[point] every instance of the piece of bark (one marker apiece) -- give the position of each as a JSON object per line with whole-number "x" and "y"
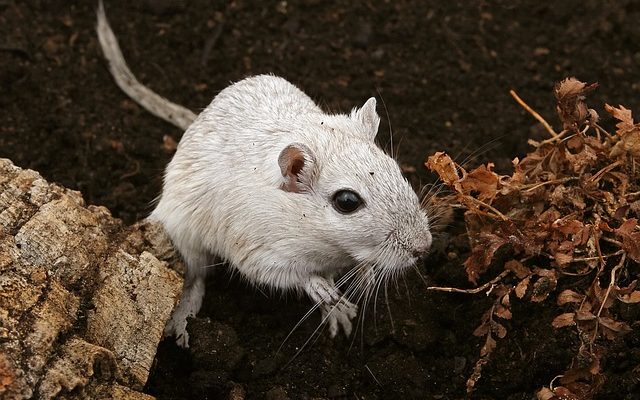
{"x": 83, "y": 299}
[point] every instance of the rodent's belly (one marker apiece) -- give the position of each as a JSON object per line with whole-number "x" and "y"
{"x": 272, "y": 255}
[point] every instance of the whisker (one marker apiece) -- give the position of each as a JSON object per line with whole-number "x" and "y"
{"x": 364, "y": 283}
{"x": 361, "y": 290}
{"x": 213, "y": 265}
{"x": 386, "y": 300}
{"x": 374, "y": 377}
{"x": 398, "y": 149}
{"x": 433, "y": 190}
{"x": 417, "y": 270}
{"x": 300, "y": 321}
{"x": 304, "y": 345}
{"x": 384, "y": 105}
{"x": 406, "y": 287}
{"x": 349, "y": 274}
{"x": 314, "y": 307}
{"x": 490, "y": 145}
{"x": 383, "y": 278}
{"x": 428, "y": 189}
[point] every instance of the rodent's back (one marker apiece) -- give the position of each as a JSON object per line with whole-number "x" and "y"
{"x": 245, "y": 127}
{"x": 226, "y": 163}
{"x": 256, "y": 102}
{"x": 246, "y": 122}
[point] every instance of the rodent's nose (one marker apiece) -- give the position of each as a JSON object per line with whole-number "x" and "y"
{"x": 422, "y": 249}
{"x": 420, "y": 253}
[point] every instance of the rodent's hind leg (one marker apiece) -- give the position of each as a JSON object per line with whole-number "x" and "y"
{"x": 337, "y": 311}
{"x": 190, "y": 301}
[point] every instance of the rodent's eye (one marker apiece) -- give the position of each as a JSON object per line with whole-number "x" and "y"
{"x": 346, "y": 201}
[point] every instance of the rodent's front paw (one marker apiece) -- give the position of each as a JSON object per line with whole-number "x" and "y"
{"x": 339, "y": 314}
{"x": 177, "y": 326}
{"x": 189, "y": 305}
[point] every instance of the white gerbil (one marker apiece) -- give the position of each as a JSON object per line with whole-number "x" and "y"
{"x": 286, "y": 194}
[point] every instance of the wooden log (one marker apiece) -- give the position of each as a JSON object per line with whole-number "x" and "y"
{"x": 83, "y": 299}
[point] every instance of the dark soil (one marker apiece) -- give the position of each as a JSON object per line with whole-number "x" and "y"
{"x": 443, "y": 70}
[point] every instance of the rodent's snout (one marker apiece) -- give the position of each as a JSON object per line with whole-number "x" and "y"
{"x": 422, "y": 248}
{"x": 420, "y": 253}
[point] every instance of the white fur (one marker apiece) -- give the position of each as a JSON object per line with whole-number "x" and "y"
{"x": 228, "y": 192}
{"x": 222, "y": 196}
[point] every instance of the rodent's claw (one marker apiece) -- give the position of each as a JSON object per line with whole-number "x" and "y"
{"x": 182, "y": 340}
{"x": 336, "y": 310}
{"x": 339, "y": 314}
{"x": 177, "y": 326}
{"x": 189, "y": 305}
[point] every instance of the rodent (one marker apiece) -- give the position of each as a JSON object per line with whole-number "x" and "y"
{"x": 288, "y": 195}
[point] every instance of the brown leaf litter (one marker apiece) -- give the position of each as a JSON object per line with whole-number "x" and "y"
{"x": 569, "y": 210}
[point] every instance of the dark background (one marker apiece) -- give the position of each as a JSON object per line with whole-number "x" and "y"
{"x": 443, "y": 70}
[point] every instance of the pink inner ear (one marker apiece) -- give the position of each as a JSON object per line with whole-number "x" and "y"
{"x": 296, "y": 165}
{"x": 291, "y": 164}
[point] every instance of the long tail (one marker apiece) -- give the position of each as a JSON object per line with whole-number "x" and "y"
{"x": 151, "y": 101}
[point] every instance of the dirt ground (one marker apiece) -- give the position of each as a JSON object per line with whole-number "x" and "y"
{"x": 443, "y": 70}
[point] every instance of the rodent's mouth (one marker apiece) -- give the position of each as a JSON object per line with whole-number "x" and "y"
{"x": 412, "y": 262}
{"x": 398, "y": 255}
{"x": 402, "y": 264}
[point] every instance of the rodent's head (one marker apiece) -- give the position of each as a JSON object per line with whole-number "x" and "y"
{"x": 363, "y": 205}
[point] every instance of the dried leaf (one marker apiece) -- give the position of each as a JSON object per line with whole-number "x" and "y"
{"x": 482, "y": 330}
{"x": 542, "y": 288}
{"x": 476, "y": 374}
{"x": 444, "y": 166}
{"x": 517, "y": 268}
{"x": 627, "y": 132}
{"x": 630, "y": 143}
{"x": 562, "y": 258}
{"x": 627, "y": 227}
{"x": 500, "y": 290}
{"x": 502, "y": 312}
{"x": 569, "y": 296}
{"x": 599, "y": 293}
{"x": 506, "y": 300}
{"x": 623, "y": 115}
{"x": 635, "y": 208}
{"x": 563, "y": 320}
{"x": 563, "y": 196}
{"x": 629, "y": 231}
{"x": 631, "y": 244}
{"x": 583, "y": 315}
{"x": 613, "y": 328}
{"x": 577, "y": 371}
{"x": 499, "y": 329}
{"x": 482, "y": 181}
{"x": 482, "y": 254}
{"x": 594, "y": 368}
{"x": 488, "y": 347}
{"x": 548, "y": 273}
{"x": 581, "y": 158}
{"x": 568, "y": 226}
{"x": 627, "y": 289}
{"x": 631, "y": 298}
{"x": 563, "y": 393}
{"x": 521, "y": 287}
{"x": 545, "y": 394}
{"x": 571, "y": 108}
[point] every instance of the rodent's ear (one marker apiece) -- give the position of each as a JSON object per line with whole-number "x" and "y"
{"x": 368, "y": 116}
{"x": 297, "y": 165}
